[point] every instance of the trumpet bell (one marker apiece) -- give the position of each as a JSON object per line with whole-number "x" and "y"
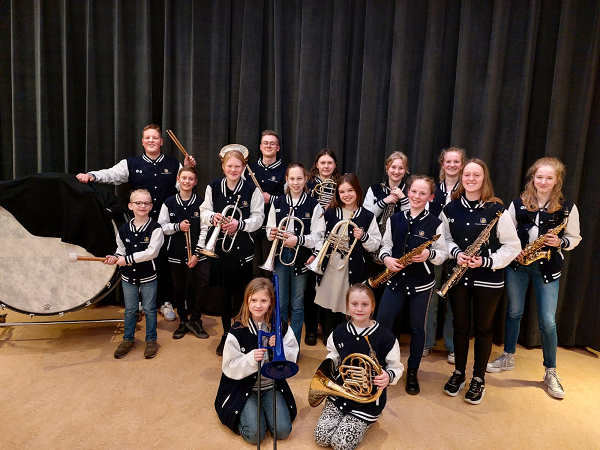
{"x": 315, "y": 266}
{"x": 268, "y": 266}
{"x": 279, "y": 370}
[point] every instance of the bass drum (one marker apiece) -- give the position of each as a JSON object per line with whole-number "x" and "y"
{"x": 44, "y": 218}
{"x": 36, "y": 276}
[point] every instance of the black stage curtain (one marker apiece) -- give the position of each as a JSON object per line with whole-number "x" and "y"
{"x": 509, "y": 81}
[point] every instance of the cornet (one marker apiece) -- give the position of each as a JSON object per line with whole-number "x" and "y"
{"x": 339, "y": 241}
{"x": 209, "y": 250}
{"x": 281, "y": 237}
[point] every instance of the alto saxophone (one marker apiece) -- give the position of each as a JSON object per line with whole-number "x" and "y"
{"x": 404, "y": 260}
{"x": 532, "y": 253}
{"x": 472, "y": 250}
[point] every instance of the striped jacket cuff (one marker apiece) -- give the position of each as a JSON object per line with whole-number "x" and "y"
{"x": 301, "y": 239}
{"x": 456, "y": 251}
{"x": 381, "y": 204}
{"x": 364, "y": 237}
{"x": 564, "y": 243}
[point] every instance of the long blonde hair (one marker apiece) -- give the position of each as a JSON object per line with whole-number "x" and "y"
{"x": 256, "y": 285}
{"x": 530, "y": 200}
{"x": 460, "y": 151}
{"x": 487, "y": 188}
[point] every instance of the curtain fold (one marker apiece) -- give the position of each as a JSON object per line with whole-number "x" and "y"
{"x": 509, "y": 81}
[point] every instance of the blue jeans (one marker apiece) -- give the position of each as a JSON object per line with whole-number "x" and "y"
{"x": 131, "y": 296}
{"x": 248, "y": 417}
{"x": 391, "y": 304}
{"x": 431, "y": 327}
{"x": 291, "y": 291}
{"x": 547, "y": 299}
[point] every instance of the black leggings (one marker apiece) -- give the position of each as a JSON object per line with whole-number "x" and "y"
{"x": 485, "y": 302}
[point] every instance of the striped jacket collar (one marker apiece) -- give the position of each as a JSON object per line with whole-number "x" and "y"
{"x": 277, "y": 163}
{"x": 238, "y": 186}
{"x": 152, "y": 161}
{"x": 180, "y": 201}
{"x": 466, "y": 204}
{"x": 366, "y": 332}
{"x": 442, "y": 187}
{"x": 387, "y": 189}
{"x": 421, "y": 215}
{"x": 140, "y": 229}
{"x": 301, "y": 201}
{"x": 340, "y": 215}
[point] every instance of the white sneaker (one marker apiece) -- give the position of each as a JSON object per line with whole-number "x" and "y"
{"x": 167, "y": 311}
{"x": 451, "y": 359}
{"x": 506, "y": 361}
{"x": 426, "y": 352}
{"x": 552, "y": 380}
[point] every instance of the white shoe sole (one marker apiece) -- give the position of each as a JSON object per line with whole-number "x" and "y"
{"x": 498, "y": 369}
{"x": 476, "y": 402}
{"x": 455, "y": 394}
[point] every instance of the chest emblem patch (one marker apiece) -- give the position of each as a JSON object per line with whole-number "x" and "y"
{"x": 307, "y": 215}
{"x": 146, "y": 239}
{"x": 482, "y": 220}
{"x": 421, "y": 233}
{"x": 244, "y": 204}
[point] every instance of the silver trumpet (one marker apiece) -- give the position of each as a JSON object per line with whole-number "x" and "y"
{"x": 339, "y": 241}
{"x": 281, "y": 237}
{"x": 209, "y": 250}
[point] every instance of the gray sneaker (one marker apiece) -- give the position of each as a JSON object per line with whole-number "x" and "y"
{"x": 552, "y": 380}
{"x": 167, "y": 312}
{"x": 123, "y": 348}
{"x": 426, "y": 352}
{"x": 506, "y": 361}
{"x": 451, "y": 358}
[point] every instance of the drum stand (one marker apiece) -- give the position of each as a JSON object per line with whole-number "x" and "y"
{"x": 53, "y": 322}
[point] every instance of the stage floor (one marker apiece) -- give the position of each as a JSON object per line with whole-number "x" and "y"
{"x": 62, "y": 388}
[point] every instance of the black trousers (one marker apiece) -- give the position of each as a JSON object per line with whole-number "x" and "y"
{"x": 484, "y": 303}
{"x": 183, "y": 277}
{"x": 311, "y": 309}
{"x": 262, "y": 247}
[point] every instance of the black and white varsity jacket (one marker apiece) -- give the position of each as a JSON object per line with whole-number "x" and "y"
{"x": 370, "y": 240}
{"x": 240, "y": 372}
{"x": 531, "y": 225}
{"x": 140, "y": 246}
{"x": 377, "y": 192}
{"x": 271, "y": 178}
{"x": 464, "y": 221}
{"x": 346, "y": 339}
{"x": 158, "y": 176}
{"x": 402, "y": 234}
{"x": 173, "y": 212}
{"x": 251, "y": 202}
{"x": 309, "y": 211}
{"x": 440, "y": 199}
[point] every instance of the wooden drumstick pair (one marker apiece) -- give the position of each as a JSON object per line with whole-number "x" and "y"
{"x": 74, "y": 257}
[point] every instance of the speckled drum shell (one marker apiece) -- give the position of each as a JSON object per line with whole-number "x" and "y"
{"x": 37, "y": 278}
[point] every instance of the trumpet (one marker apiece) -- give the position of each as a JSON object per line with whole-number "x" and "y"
{"x": 324, "y": 192}
{"x": 269, "y": 264}
{"x": 209, "y": 250}
{"x": 339, "y": 241}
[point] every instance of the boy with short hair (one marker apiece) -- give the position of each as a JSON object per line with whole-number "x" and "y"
{"x": 138, "y": 244}
{"x": 180, "y": 214}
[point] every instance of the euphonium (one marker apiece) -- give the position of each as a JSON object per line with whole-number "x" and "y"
{"x": 281, "y": 237}
{"x": 339, "y": 241}
{"x": 405, "y": 260}
{"x": 472, "y": 250}
{"x": 532, "y": 253}
{"x": 324, "y": 192}
{"x": 355, "y": 380}
{"x": 278, "y": 368}
{"x": 209, "y": 250}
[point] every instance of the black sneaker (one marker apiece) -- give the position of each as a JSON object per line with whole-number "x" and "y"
{"x": 310, "y": 338}
{"x": 476, "y": 391}
{"x": 195, "y": 326}
{"x": 180, "y": 331}
{"x": 123, "y": 348}
{"x": 455, "y": 384}
{"x": 412, "y": 382}
{"x": 221, "y": 346}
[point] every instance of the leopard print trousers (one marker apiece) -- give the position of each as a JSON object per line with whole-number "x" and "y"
{"x": 341, "y": 431}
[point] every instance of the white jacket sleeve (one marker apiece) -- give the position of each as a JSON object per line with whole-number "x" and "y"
{"x": 117, "y": 174}
{"x": 236, "y": 364}
{"x": 393, "y": 365}
{"x": 164, "y": 221}
{"x": 510, "y": 248}
{"x": 156, "y": 242}
{"x": 317, "y": 229}
{"x": 438, "y": 252}
{"x": 571, "y": 237}
{"x": 371, "y": 239}
{"x": 257, "y": 213}
{"x": 206, "y": 208}
{"x": 290, "y": 346}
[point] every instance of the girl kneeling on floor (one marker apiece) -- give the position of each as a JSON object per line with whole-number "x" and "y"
{"x": 344, "y": 422}
{"x": 237, "y": 397}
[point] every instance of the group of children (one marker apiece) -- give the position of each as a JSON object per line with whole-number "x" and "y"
{"x": 396, "y": 217}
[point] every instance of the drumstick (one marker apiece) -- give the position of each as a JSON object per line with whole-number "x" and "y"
{"x": 74, "y": 257}
{"x": 177, "y": 143}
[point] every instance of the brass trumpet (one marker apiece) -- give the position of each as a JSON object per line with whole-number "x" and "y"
{"x": 209, "y": 250}
{"x": 340, "y": 244}
{"x": 324, "y": 192}
{"x": 281, "y": 237}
